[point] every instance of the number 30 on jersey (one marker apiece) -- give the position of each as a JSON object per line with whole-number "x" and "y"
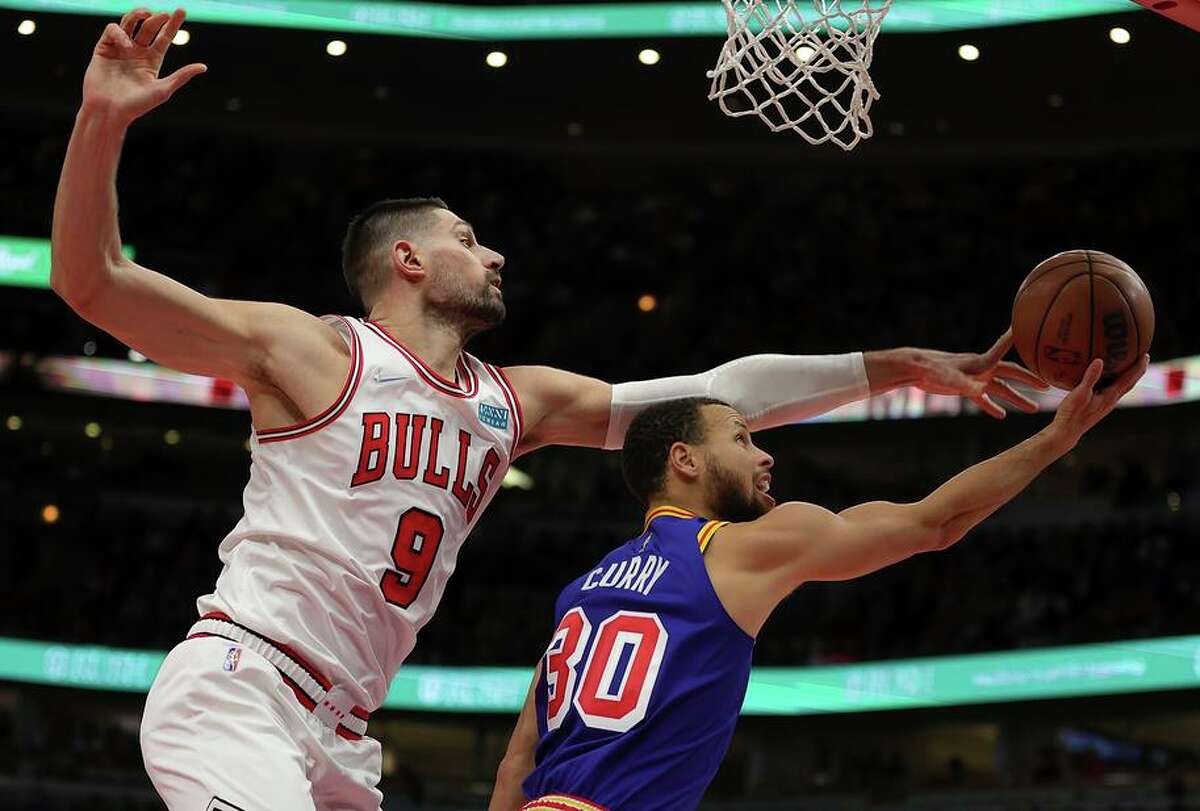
{"x": 606, "y": 697}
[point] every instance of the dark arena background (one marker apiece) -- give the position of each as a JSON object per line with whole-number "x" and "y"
{"x": 1050, "y": 661}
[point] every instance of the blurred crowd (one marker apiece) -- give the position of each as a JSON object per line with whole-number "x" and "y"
{"x": 123, "y": 564}
{"x": 802, "y": 256}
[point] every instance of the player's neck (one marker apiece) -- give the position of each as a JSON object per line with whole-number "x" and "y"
{"x": 695, "y": 503}
{"x": 435, "y": 342}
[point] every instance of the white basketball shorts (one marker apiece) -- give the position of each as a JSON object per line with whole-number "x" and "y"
{"x": 222, "y": 731}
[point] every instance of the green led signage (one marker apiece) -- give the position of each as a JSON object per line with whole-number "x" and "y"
{"x": 1084, "y": 670}
{"x": 576, "y": 21}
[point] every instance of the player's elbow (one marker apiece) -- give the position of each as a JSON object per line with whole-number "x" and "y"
{"x": 513, "y": 769}
{"x": 78, "y": 290}
{"x": 934, "y": 532}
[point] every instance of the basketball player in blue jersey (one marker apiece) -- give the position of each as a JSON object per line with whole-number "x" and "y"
{"x": 634, "y": 702}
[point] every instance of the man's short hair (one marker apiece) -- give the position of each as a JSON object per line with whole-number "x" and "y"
{"x": 372, "y": 232}
{"x": 650, "y": 437}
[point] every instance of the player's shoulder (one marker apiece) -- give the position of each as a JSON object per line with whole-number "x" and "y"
{"x": 773, "y": 537}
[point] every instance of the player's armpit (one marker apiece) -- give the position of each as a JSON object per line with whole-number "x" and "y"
{"x": 560, "y": 408}
{"x": 256, "y": 344}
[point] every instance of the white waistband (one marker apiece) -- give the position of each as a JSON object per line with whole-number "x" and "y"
{"x": 333, "y": 706}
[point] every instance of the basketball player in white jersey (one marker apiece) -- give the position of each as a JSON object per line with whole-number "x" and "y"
{"x": 377, "y": 445}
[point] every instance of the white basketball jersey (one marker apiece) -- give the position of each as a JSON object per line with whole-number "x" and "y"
{"x": 354, "y": 518}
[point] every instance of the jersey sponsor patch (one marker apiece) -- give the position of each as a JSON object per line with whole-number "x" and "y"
{"x": 495, "y": 416}
{"x": 217, "y": 804}
{"x": 232, "y": 657}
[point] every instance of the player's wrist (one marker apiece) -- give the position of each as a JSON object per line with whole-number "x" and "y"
{"x": 1058, "y": 439}
{"x": 889, "y": 369}
{"x": 102, "y": 115}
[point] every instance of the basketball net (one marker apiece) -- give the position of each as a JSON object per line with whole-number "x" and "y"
{"x": 802, "y": 70}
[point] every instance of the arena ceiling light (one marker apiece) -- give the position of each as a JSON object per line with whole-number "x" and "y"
{"x": 696, "y": 18}
{"x": 648, "y": 56}
{"x": 26, "y": 27}
{"x": 1120, "y": 36}
{"x": 182, "y": 37}
{"x": 496, "y": 59}
{"x": 335, "y": 47}
{"x": 968, "y": 52}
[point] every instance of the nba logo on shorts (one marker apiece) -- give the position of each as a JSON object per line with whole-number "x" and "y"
{"x": 232, "y": 657}
{"x": 494, "y": 416}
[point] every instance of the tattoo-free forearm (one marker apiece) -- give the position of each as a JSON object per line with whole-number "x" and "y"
{"x": 971, "y": 496}
{"x": 85, "y": 240}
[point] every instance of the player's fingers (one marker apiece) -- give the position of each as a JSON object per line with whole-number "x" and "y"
{"x": 1013, "y": 371}
{"x": 129, "y": 21}
{"x": 1125, "y": 383}
{"x": 999, "y": 349}
{"x": 115, "y": 35}
{"x": 989, "y": 406}
{"x": 1082, "y": 394}
{"x": 1005, "y": 392}
{"x": 168, "y": 32}
{"x": 150, "y": 29}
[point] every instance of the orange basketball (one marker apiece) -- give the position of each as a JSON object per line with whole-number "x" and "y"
{"x": 1080, "y": 305}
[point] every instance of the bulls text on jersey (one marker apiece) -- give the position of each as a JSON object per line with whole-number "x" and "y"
{"x": 417, "y": 440}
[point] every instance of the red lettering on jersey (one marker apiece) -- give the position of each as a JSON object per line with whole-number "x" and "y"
{"x": 442, "y": 477}
{"x": 372, "y": 459}
{"x": 491, "y": 461}
{"x": 405, "y": 466}
{"x": 463, "y": 494}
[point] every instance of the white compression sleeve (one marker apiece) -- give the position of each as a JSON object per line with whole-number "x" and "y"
{"x": 770, "y": 390}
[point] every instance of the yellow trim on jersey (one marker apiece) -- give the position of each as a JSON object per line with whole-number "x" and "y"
{"x": 659, "y": 512}
{"x": 707, "y": 532}
{"x": 559, "y": 800}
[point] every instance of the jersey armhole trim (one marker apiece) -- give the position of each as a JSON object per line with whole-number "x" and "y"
{"x": 704, "y": 538}
{"x": 514, "y": 403}
{"x": 707, "y": 532}
{"x": 309, "y": 426}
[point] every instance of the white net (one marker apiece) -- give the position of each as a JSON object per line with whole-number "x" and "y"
{"x": 801, "y": 65}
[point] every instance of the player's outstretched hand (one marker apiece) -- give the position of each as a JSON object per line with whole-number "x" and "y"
{"x": 979, "y": 377}
{"x": 122, "y": 79}
{"x": 1083, "y": 407}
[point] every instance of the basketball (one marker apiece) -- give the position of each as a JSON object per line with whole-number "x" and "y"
{"x": 1079, "y": 305}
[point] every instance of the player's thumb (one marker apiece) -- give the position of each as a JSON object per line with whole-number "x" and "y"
{"x": 116, "y": 35}
{"x": 182, "y": 76}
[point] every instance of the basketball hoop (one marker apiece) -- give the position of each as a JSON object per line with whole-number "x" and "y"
{"x": 802, "y": 70}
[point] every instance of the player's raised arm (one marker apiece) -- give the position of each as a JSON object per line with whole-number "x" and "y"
{"x": 163, "y": 319}
{"x": 518, "y": 758}
{"x": 756, "y": 564}
{"x": 770, "y": 390}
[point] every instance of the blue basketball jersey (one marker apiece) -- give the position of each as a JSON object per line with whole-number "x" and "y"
{"x": 644, "y": 677}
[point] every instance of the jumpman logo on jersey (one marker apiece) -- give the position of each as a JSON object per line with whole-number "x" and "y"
{"x": 645, "y": 541}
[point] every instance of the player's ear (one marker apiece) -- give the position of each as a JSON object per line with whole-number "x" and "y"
{"x": 408, "y": 261}
{"x": 683, "y": 459}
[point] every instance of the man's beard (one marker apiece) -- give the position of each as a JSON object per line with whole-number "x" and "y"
{"x": 472, "y": 312}
{"x": 729, "y": 497}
